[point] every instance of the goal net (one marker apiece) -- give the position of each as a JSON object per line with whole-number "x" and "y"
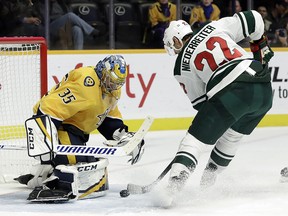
{"x": 23, "y": 80}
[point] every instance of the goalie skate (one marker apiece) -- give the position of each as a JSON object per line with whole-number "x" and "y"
{"x": 44, "y": 194}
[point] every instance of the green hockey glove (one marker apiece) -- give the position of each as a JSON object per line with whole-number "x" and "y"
{"x": 261, "y": 50}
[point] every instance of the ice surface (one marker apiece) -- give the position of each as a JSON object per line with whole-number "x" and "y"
{"x": 250, "y": 186}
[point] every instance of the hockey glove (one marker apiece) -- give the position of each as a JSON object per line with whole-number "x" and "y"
{"x": 122, "y": 136}
{"x": 261, "y": 50}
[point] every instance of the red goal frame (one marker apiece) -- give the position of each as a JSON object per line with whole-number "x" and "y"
{"x": 43, "y": 55}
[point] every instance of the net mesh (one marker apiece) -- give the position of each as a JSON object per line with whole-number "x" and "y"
{"x": 20, "y": 86}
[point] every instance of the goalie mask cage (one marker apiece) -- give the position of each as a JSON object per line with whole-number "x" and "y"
{"x": 23, "y": 80}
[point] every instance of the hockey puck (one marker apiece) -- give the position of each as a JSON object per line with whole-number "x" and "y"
{"x": 124, "y": 193}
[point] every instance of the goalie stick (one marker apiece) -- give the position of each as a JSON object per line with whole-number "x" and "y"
{"x": 12, "y": 147}
{"x": 106, "y": 151}
{"x": 139, "y": 189}
{"x": 97, "y": 151}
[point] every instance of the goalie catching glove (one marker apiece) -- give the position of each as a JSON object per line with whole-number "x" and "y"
{"x": 122, "y": 137}
{"x": 261, "y": 50}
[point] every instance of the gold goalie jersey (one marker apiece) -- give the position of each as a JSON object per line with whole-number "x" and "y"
{"x": 78, "y": 100}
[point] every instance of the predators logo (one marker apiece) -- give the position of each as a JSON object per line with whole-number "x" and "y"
{"x": 89, "y": 81}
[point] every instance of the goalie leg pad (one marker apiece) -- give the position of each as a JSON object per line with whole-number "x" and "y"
{"x": 92, "y": 179}
{"x": 68, "y": 182}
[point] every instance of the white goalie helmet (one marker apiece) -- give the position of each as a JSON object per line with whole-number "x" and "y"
{"x": 177, "y": 29}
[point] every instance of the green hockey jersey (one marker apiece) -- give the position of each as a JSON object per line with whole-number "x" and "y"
{"x": 212, "y": 59}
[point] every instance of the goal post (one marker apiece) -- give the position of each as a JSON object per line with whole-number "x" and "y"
{"x": 23, "y": 80}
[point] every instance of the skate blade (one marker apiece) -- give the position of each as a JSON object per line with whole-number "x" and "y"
{"x": 49, "y": 200}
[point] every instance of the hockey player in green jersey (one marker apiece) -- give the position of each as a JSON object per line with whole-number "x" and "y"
{"x": 229, "y": 87}
{"x": 85, "y": 100}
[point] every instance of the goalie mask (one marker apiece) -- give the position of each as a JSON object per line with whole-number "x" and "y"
{"x": 112, "y": 72}
{"x": 177, "y": 29}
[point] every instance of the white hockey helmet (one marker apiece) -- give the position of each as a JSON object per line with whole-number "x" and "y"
{"x": 178, "y": 29}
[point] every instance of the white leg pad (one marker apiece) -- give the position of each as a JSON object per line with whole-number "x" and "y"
{"x": 92, "y": 179}
{"x": 86, "y": 180}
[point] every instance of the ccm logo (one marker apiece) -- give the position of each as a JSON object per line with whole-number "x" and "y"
{"x": 87, "y": 168}
{"x": 30, "y": 138}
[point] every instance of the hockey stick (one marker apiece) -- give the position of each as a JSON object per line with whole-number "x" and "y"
{"x": 106, "y": 151}
{"x": 139, "y": 189}
{"x": 12, "y": 147}
{"x": 97, "y": 151}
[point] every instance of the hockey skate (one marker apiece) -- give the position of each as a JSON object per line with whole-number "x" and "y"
{"x": 284, "y": 175}
{"x": 59, "y": 187}
{"x": 176, "y": 183}
{"x": 209, "y": 176}
{"x": 45, "y": 194}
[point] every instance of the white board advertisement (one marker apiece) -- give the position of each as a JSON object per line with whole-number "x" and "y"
{"x": 151, "y": 89}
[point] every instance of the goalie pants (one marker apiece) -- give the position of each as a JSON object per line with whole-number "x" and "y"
{"x": 70, "y": 135}
{"x": 239, "y": 106}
